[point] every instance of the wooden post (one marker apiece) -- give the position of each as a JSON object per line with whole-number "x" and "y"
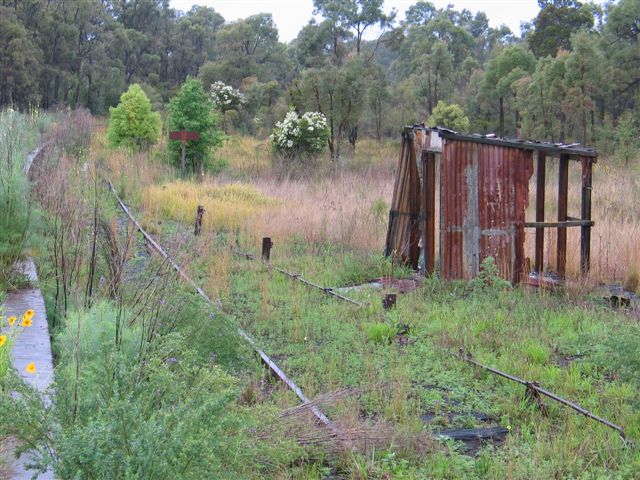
{"x": 389, "y": 301}
{"x": 414, "y": 207}
{"x": 563, "y": 198}
{"x": 183, "y": 158}
{"x": 429, "y": 228}
{"x": 540, "y": 194}
{"x": 585, "y": 231}
{"x": 183, "y": 136}
{"x": 199, "y": 215}
{"x": 266, "y": 248}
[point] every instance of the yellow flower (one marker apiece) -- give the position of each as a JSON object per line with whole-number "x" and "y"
{"x": 26, "y": 322}
{"x": 30, "y": 368}
{"x": 3, "y": 340}
{"x": 11, "y": 320}
{"x": 29, "y": 313}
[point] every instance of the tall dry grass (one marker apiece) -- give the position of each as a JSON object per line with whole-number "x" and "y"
{"x": 615, "y": 237}
{"x": 347, "y": 203}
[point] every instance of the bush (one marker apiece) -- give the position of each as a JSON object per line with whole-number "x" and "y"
{"x": 449, "y": 116}
{"x": 626, "y": 136}
{"x": 139, "y": 410}
{"x": 132, "y": 123}
{"x": 225, "y": 97}
{"x": 300, "y": 136}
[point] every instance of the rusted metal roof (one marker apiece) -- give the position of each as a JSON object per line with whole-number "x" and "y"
{"x": 553, "y": 149}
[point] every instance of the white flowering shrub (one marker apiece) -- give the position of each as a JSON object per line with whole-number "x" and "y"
{"x": 225, "y": 97}
{"x": 306, "y": 134}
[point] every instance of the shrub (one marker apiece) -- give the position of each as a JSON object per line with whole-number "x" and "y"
{"x": 489, "y": 278}
{"x": 225, "y": 97}
{"x": 300, "y": 136}
{"x": 139, "y": 410}
{"x": 132, "y": 122}
{"x": 449, "y": 116}
{"x": 626, "y": 136}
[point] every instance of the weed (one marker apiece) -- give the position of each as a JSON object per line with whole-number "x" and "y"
{"x": 380, "y": 333}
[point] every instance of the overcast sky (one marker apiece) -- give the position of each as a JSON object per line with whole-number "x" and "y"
{"x": 291, "y": 15}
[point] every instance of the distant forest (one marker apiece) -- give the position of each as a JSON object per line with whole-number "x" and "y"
{"x": 572, "y": 75}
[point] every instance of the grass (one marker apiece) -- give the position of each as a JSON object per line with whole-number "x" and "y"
{"x": 227, "y": 207}
{"x": 330, "y": 227}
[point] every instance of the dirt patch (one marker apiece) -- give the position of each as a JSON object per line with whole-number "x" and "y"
{"x": 564, "y": 361}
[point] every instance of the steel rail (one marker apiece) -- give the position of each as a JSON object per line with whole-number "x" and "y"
{"x": 271, "y": 365}
{"x": 295, "y": 276}
{"x": 543, "y": 391}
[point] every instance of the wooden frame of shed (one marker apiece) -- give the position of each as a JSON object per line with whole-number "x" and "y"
{"x": 483, "y": 183}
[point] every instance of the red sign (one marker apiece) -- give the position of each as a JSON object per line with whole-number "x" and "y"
{"x": 183, "y": 135}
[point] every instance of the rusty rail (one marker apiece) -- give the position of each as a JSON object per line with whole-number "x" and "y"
{"x": 295, "y": 276}
{"x": 270, "y": 364}
{"x": 533, "y": 386}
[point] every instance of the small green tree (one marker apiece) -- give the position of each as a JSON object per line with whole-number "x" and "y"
{"x": 192, "y": 110}
{"x": 133, "y": 123}
{"x": 449, "y": 116}
{"x": 627, "y": 138}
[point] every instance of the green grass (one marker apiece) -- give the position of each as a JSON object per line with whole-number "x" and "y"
{"x": 400, "y": 364}
{"x": 324, "y": 344}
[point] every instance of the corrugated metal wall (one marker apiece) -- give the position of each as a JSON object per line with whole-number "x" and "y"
{"x": 484, "y": 191}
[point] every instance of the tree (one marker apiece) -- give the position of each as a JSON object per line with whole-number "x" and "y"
{"x": 247, "y": 48}
{"x": 621, "y": 47}
{"x": 555, "y": 23}
{"x": 627, "y": 137}
{"x": 191, "y": 109}
{"x": 378, "y": 97}
{"x": 19, "y": 63}
{"x": 501, "y": 74}
{"x": 132, "y": 122}
{"x": 337, "y": 93}
{"x": 356, "y": 15}
{"x": 433, "y": 75}
{"x": 449, "y": 116}
{"x": 583, "y": 85}
{"x": 540, "y": 99}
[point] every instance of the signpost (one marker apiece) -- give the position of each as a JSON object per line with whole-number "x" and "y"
{"x": 183, "y": 136}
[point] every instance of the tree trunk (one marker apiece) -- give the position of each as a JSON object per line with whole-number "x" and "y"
{"x": 501, "y": 129}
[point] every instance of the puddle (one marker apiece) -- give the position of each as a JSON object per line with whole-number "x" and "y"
{"x": 476, "y": 438}
{"x": 401, "y": 285}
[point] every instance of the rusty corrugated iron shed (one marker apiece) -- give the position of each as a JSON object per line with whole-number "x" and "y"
{"x": 484, "y": 192}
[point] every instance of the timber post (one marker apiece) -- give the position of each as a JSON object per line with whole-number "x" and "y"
{"x": 266, "y": 249}
{"x": 199, "y": 214}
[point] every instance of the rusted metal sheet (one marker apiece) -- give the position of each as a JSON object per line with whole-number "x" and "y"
{"x": 484, "y": 191}
{"x": 403, "y": 235}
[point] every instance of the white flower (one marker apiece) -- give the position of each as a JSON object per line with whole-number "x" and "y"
{"x": 289, "y": 143}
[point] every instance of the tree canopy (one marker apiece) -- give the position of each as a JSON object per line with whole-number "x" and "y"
{"x": 571, "y": 74}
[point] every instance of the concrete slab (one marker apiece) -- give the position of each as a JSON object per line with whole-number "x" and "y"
{"x": 33, "y": 345}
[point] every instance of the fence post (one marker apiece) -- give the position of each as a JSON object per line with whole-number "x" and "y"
{"x": 389, "y": 301}
{"x": 266, "y": 248}
{"x": 199, "y": 215}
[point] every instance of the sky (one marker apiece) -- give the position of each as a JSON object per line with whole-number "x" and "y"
{"x": 291, "y": 15}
